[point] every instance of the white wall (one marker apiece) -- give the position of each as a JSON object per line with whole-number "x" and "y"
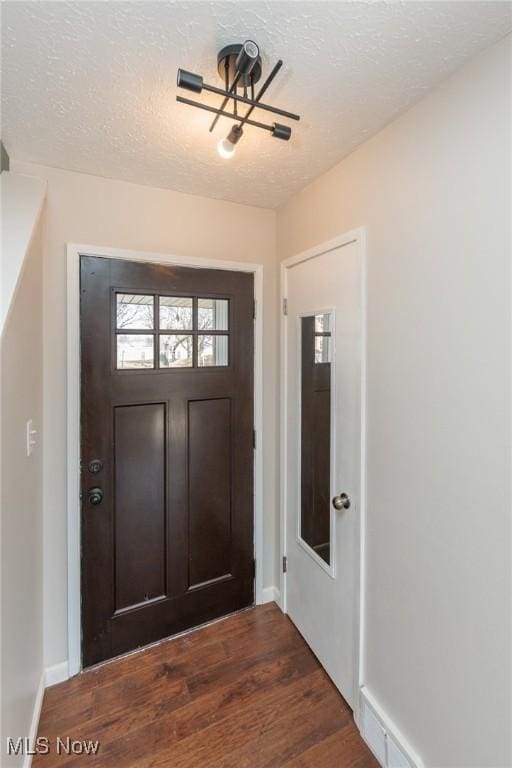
{"x": 22, "y": 199}
{"x": 97, "y": 211}
{"x": 433, "y": 189}
{"x": 21, "y": 504}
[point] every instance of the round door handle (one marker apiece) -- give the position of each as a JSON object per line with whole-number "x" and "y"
{"x": 95, "y": 496}
{"x": 341, "y": 501}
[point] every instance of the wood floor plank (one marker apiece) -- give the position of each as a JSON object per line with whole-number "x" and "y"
{"x": 273, "y": 721}
{"x": 244, "y": 692}
{"x": 151, "y": 738}
{"x": 341, "y": 748}
{"x": 115, "y": 695}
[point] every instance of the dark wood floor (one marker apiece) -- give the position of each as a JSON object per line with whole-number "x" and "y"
{"x": 245, "y": 692}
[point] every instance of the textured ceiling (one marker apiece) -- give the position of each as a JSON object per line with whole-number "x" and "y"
{"x": 90, "y": 86}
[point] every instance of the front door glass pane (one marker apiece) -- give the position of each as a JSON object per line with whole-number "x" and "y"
{"x": 175, "y": 313}
{"x": 176, "y": 350}
{"x": 212, "y": 314}
{"x": 134, "y": 311}
{"x": 212, "y": 350}
{"x": 134, "y": 350}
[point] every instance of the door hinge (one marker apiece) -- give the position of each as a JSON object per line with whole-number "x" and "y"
{"x": 254, "y": 568}
{"x": 254, "y": 438}
{"x": 285, "y": 306}
{"x": 254, "y": 309}
{"x": 285, "y": 563}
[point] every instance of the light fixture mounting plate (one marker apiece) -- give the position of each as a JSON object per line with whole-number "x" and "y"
{"x": 229, "y": 55}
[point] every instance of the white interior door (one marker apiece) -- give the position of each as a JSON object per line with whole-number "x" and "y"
{"x": 323, "y": 455}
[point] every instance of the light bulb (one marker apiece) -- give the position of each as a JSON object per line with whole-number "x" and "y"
{"x": 226, "y": 148}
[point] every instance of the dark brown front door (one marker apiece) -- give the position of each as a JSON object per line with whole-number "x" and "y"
{"x": 166, "y": 450}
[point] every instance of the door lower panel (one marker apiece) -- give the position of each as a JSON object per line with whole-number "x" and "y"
{"x": 170, "y": 616}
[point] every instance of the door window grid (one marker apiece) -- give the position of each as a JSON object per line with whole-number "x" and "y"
{"x": 171, "y": 332}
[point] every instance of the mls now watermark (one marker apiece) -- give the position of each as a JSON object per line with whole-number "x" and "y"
{"x": 43, "y": 746}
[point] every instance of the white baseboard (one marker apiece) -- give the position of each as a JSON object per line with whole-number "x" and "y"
{"x": 34, "y": 723}
{"x": 387, "y": 743}
{"x": 56, "y": 674}
{"x": 271, "y": 595}
{"x": 49, "y": 676}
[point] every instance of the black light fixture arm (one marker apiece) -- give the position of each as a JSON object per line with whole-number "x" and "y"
{"x": 262, "y": 90}
{"x": 186, "y": 77}
{"x": 228, "y": 92}
{"x": 222, "y": 113}
{"x": 247, "y": 58}
{"x": 276, "y": 129}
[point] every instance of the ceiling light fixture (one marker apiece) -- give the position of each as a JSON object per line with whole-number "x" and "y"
{"x": 240, "y": 68}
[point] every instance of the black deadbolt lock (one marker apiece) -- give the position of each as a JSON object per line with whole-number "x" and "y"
{"x": 95, "y": 496}
{"x": 95, "y": 466}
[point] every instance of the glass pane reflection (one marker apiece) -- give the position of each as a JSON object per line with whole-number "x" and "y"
{"x": 175, "y": 350}
{"x": 175, "y": 313}
{"x": 134, "y": 350}
{"x": 134, "y": 311}
{"x": 212, "y": 350}
{"x": 212, "y": 314}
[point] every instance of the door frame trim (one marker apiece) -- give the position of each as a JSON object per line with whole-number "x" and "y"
{"x": 359, "y": 237}
{"x": 74, "y": 251}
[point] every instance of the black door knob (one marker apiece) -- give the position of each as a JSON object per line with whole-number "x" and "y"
{"x": 95, "y": 496}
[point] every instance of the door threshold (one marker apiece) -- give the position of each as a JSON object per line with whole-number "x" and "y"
{"x": 167, "y": 639}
